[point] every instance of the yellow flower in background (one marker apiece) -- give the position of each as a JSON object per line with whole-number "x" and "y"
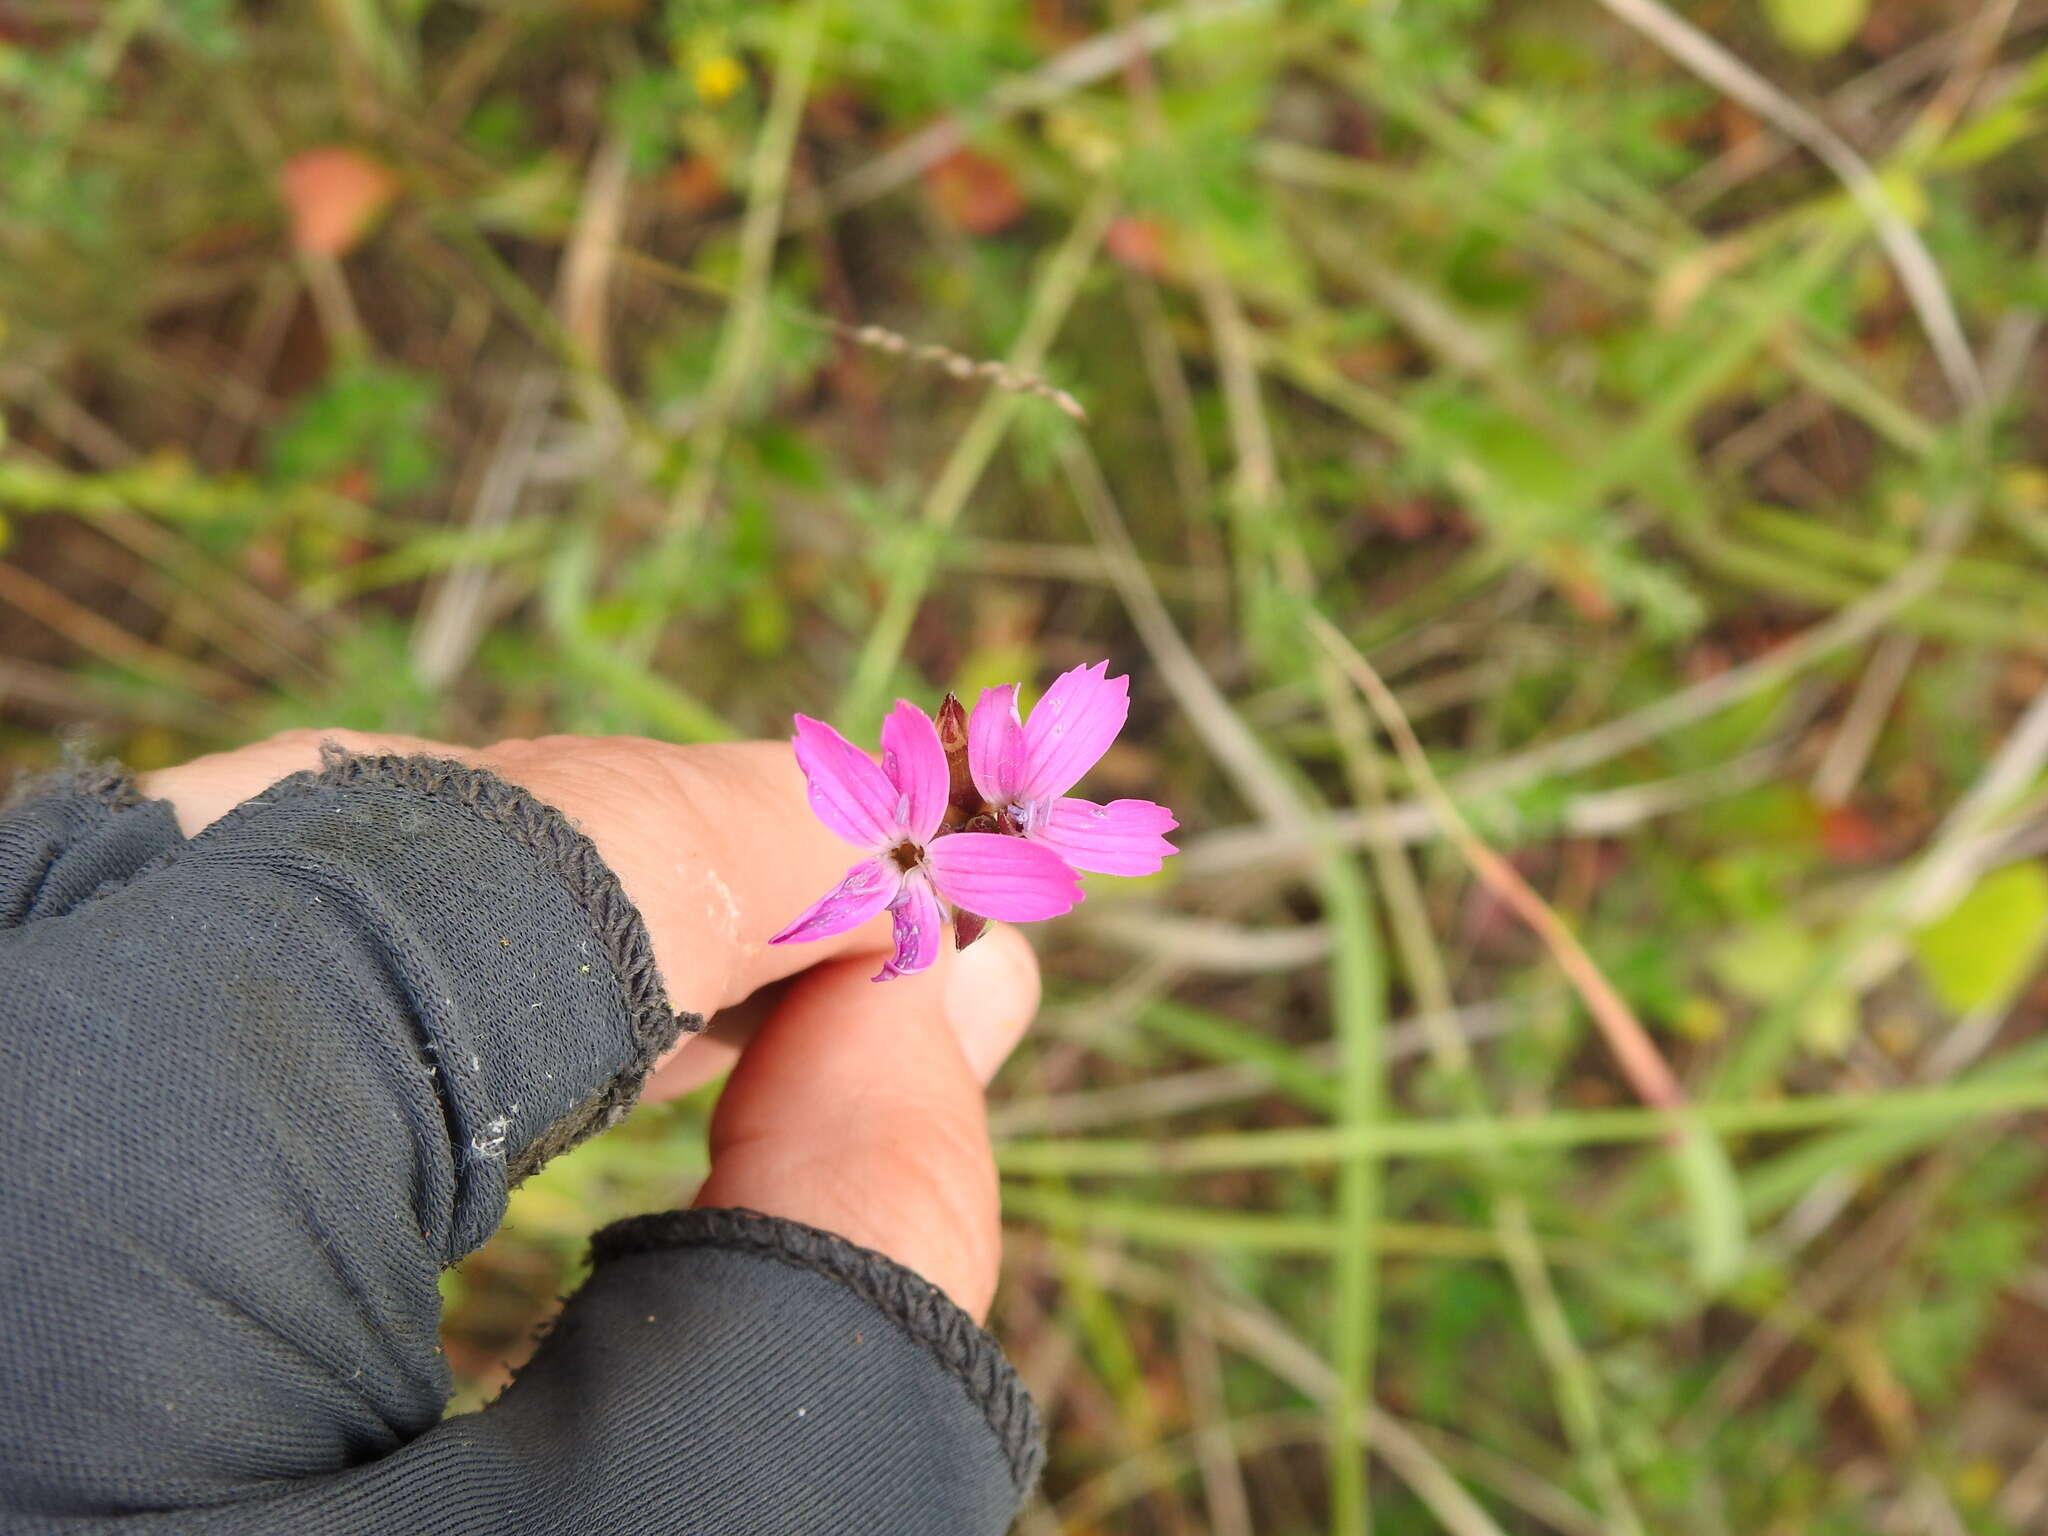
{"x": 718, "y": 77}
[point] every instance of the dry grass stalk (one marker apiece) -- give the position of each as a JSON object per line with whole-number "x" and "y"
{"x": 1648, "y": 1073}
{"x": 998, "y": 375}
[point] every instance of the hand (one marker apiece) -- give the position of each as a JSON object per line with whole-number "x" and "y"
{"x": 853, "y": 1107}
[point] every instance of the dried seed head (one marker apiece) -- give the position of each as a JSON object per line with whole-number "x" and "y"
{"x": 952, "y": 722}
{"x": 964, "y": 799}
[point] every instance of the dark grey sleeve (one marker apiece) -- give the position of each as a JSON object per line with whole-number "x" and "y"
{"x": 259, "y": 1087}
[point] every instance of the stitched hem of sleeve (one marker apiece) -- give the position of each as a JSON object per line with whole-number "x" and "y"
{"x": 107, "y": 782}
{"x": 575, "y": 861}
{"x": 920, "y": 1308}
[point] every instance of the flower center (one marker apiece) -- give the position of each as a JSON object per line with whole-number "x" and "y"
{"x": 907, "y": 855}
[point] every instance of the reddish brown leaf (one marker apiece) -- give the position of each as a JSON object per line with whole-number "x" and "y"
{"x": 334, "y": 196}
{"x": 1580, "y": 585}
{"x": 1370, "y": 361}
{"x": 975, "y": 193}
{"x": 695, "y": 185}
{"x": 835, "y": 113}
{"x": 1738, "y": 127}
{"x": 1408, "y": 518}
{"x": 1139, "y": 244}
{"x": 1849, "y": 836}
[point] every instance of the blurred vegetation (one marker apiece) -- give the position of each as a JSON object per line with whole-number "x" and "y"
{"x": 620, "y": 365}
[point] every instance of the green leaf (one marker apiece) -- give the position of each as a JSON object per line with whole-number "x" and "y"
{"x": 206, "y": 26}
{"x": 1985, "y": 945}
{"x": 1816, "y": 27}
{"x": 1990, "y": 135}
{"x": 536, "y": 200}
{"x": 1828, "y": 1023}
{"x": 366, "y": 416}
{"x": 1764, "y": 961}
{"x": 764, "y": 620}
{"x": 1717, "y": 1231}
{"x": 1771, "y": 960}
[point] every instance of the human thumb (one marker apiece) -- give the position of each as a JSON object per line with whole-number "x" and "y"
{"x": 858, "y": 1108}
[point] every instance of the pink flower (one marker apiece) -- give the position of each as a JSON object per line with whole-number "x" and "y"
{"x": 1025, "y": 768}
{"x": 895, "y": 812}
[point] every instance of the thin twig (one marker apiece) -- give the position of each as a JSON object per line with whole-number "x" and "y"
{"x": 1357, "y": 980}
{"x": 1205, "y": 945}
{"x": 451, "y": 616}
{"x": 101, "y": 637}
{"x": 70, "y": 697}
{"x": 1918, "y": 273}
{"x": 1223, "y": 1491}
{"x": 996, "y": 374}
{"x": 1637, "y": 1055}
{"x": 220, "y": 442}
{"x": 739, "y": 343}
{"x": 1872, "y": 943}
{"x": 1555, "y": 1510}
{"x": 1002, "y": 375}
{"x": 1866, "y": 1252}
{"x": 1596, "y": 813}
{"x": 1983, "y": 33}
{"x": 1893, "y": 75}
{"x": 1169, "y": 381}
{"x": 262, "y": 618}
{"x": 1947, "y": 868}
{"x": 1355, "y": 988}
{"x": 1236, "y": 748}
{"x": 340, "y": 321}
{"x": 1174, "y": 1093}
{"x": 1059, "y": 284}
{"x": 583, "y": 290}
{"x": 2023, "y": 1501}
{"x": 1841, "y": 765}
{"x": 1575, "y": 1388}
{"x": 1082, "y": 65}
{"x": 1250, "y": 1328}
{"x": 1048, "y": 560}
{"x": 2012, "y": 342}
{"x": 1835, "y": 778}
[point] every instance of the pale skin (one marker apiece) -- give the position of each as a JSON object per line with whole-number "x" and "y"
{"x": 854, "y": 1106}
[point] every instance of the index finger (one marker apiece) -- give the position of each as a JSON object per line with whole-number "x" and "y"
{"x": 715, "y": 844}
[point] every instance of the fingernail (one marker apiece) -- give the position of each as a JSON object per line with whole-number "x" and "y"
{"x": 991, "y": 997}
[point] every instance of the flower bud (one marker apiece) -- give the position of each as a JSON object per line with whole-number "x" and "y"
{"x": 964, "y": 798}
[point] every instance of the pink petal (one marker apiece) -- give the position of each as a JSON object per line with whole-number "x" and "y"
{"x": 916, "y": 763}
{"x": 849, "y": 793}
{"x": 868, "y": 887}
{"x": 1071, "y": 727}
{"x": 1124, "y": 837}
{"x": 995, "y": 745}
{"x": 1006, "y": 878}
{"x": 920, "y": 925}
